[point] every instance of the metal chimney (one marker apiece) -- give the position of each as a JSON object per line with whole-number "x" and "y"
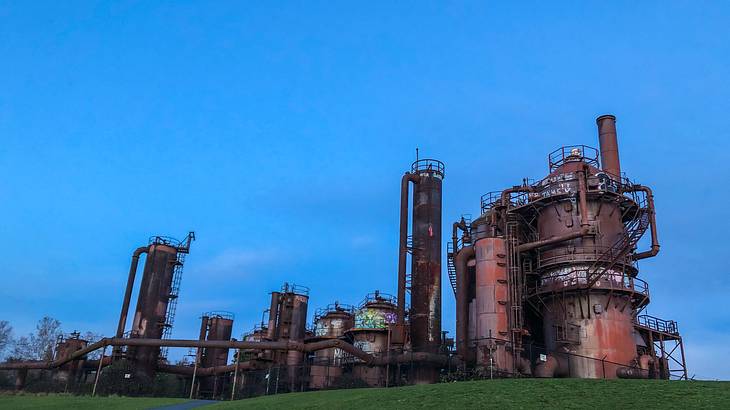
{"x": 609, "y": 145}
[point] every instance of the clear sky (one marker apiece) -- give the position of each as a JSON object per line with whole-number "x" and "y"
{"x": 279, "y": 134}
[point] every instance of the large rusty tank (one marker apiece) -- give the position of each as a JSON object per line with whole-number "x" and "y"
{"x": 330, "y": 322}
{"x": 548, "y": 272}
{"x": 215, "y": 326}
{"x": 426, "y": 176}
{"x": 65, "y": 346}
{"x": 288, "y": 321}
{"x": 157, "y": 300}
{"x": 374, "y": 318}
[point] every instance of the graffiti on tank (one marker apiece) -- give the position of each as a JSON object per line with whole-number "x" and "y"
{"x": 374, "y": 319}
{"x": 325, "y": 328}
{"x": 364, "y": 345}
{"x": 578, "y": 275}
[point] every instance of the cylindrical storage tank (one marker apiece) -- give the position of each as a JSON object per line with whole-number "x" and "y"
{"x": 377, "y": 313}
{"x": 154, "y": 296}
{"x": 492, "y": 304}
{"x": 590, "y": 330}
{"x": 425, "y": 312}
{"x": 272, "y": 333}
{"x": 330, "y": 323}
{"x": 562, "y": 216}
{"x": 297, "y": 330}
{"x": 258, "y": 334}
{"x": 597, "y": 346}
{"x": 375, "y": 342}
{"x": 64, "y": 348}
{"x": 219, "y": 327}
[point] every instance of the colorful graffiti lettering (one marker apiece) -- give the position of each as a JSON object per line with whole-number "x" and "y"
{"x": 374, "y": 319}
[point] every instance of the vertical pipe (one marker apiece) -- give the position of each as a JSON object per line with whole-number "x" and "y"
{"x": 98, "y": 371}
{"x": 403, "y": 246}
{"x": 235, "y": 376}
{"x": 201, "y": 336}
{"x": 462, "y": 302}
{"x": 128, "y": 291}
{"x": 609, "y": 145}
{"x": 582, "y": 198}
{"x": 271, "y": 332}
{"x": 195, "y": 371}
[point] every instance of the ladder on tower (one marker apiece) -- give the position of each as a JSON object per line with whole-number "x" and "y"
{"x": 515, "y": 283}
{"x": 172, "y": 299}
{"x": 450, "y": 267}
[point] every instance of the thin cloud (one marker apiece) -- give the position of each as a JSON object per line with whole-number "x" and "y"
{"x": 237, "y": 263}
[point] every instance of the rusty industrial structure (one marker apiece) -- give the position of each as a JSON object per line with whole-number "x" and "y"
{"x": 157, "y": 300}
{"x": 546, "y": 279}
{"x": 546, "y": 283}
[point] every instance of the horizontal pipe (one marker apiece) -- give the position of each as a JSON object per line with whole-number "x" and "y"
{"x": 369, "y": 359}
{"x": 585, "y": 231}
{"x": 632, "y": 373}
{"x": 421, "y": 357}
{"x": 341, "y": 344}
{"x": 205, "y": 371}
{"x": 229, "y": 344}
{"x": 56, "y": 363}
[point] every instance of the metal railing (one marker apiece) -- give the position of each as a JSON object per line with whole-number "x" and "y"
{"x": 657, "y": 324}
{"x": 570, "y": 153}
{"x": 428, "y": 165}
{"x": 294, "y": 288}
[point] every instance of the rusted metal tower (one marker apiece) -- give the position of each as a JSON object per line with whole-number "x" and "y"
{"x": 157, "y": 300}
{"x": 547, "y": 274}
{"x": 424, "y": 283}
{"x": 214, "y": 326}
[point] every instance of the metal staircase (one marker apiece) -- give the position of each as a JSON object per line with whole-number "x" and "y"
{"x": 450, "y": 267}
{"x": 635, "y": 229}
{"x": 172, "y": 299}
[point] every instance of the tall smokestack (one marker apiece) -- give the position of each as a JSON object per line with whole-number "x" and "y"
{"x": 608, "y": 145}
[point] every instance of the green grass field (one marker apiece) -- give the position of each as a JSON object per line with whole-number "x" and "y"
{"x": 58, "y": 401}
{"x": 524, "y": 394}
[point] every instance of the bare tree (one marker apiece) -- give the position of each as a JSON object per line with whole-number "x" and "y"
{"x": 41, "y": 344}
{"x": 92, "y": 337}
{"x": 6, "y": 335}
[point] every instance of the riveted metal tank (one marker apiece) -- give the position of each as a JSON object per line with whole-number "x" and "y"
{"x": 152, "y": 302}
{"x": 288, "y": 321}
{"x": 329, "y": 323}
{"x": 65, "y": 346}
{"x": 219, "y": 326}
{"x": 491, "y": 334}
{"x": 374, "y": 318}
{"x": 587, "y": 286}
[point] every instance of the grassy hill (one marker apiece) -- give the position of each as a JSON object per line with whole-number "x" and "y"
{"x": 524, "y": 393}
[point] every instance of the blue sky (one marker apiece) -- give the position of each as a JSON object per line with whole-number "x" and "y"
{"x": 279, "y": 134}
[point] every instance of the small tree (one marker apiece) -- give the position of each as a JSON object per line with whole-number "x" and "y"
{"x": 92, "y": 337}
{"x": 6, "y": 335}
{"x": 41, "y": 344}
